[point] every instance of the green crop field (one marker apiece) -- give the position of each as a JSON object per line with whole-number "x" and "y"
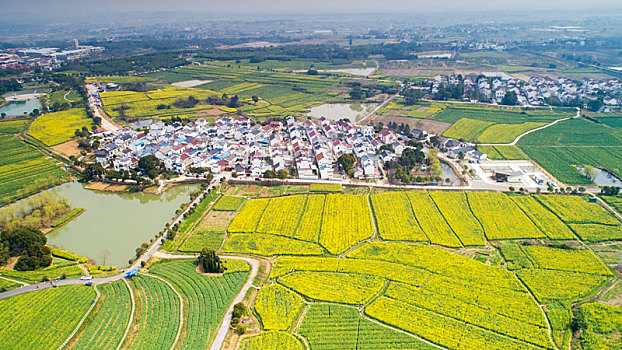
{"x": 229, "y": 203}
{"x": 43, "y": 319}
{"x": 105, "y": 326}
{"x": 565, "y": 145}
{"x": 23, "y": 170}
{"x": 206, "y": 298}
{"x": 58, "y": 127}
{"x": 505, "y": 115}
{"x": 330, "y": 326}
{"x": 503, "y": 152}
{"x": 157, "y": 309}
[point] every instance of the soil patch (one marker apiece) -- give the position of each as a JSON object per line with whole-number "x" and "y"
{"x": 210, "y": 112}
{"x": 69, "y": 148}
{"x": 216, "y": 221}
{"x": 432, "y": 126}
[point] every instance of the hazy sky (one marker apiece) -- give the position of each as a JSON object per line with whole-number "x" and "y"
{"x": 85, "y": 7}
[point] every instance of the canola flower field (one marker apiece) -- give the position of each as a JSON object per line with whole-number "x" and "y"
{"x": 392, "y": 287}
{"x": 342, "y": 276}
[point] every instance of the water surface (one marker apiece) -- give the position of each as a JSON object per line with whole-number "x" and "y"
{"x": 20, "y": 107}
{"x": 602, "y": 177}
{"x": 337, "y": 111}
{"x": 113, "y": 225}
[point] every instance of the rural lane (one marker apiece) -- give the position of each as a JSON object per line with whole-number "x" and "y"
{"x": 513, "y": 143}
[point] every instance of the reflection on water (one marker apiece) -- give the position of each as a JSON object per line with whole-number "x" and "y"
{"x": 113, "y": 225}
{"x": 337, "y": 111}
{"x": 19, "y": 107}
{"x": 600, "y": 177}
{"x": 448, "y": 173}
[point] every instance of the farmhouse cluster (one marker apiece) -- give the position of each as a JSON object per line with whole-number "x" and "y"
{"x": 307, "y": 149}
{"x": 536, "y": 91}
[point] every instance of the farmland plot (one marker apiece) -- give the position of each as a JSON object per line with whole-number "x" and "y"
{"x": 346, "y": 221}
{"x": 106, "y": 328}
{"x": 271, "y": 340}
{"x": 431, "y": 220}
{"x": 574, "y": 209}
{"x": 277, "y": 307}
{"x": 500, "y": 217}
{"x": 43, "y": 319}
{"x": 395, "y": 218}
{"x": 248, "y": 217}
{"x": 157, "y": 315}
{"x": 206, "y": 298}
{"x": 336, "y": 327}
{"x": 58, "y": 127}
{"x": 455, "y": 209}
{"x": 548, "y": 222}
{"x": 281, "y": 216}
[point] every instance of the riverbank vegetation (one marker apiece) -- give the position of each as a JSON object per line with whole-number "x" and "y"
{"x": 41, "y": 211}
{"x": 24, "y": 170}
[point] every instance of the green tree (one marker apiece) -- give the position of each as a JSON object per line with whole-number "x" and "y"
{"x": 346, "y": 163}
{"x": 269, "y": 174}
{"x": 255, "y": 98}
{"x": 210, "y": 262}
{"x": 151, "y": 166}
{"x": 282, "y": 174}
{"x": 92, "y": 171}
{"x": 510, "y": 99}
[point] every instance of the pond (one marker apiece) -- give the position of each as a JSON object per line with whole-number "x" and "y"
{"x": 448, "y": 173}
{"x": 601, "y": 177}
{"x": 354, "y": 71}
{"x": 19, "y": 107}
{"x": 191, "y": 83}
{"x": 113, "y": 225}
{"x": 337, "y": 111}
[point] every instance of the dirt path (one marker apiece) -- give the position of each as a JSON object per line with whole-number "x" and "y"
{"x": 376, "y": 109}
{"x": 88, "y": 312}
{"x": 65, "y": 97}
{"x": 181, "y": 308}
{"x": 224, "y": 326}
{"x": 129, "y": 323}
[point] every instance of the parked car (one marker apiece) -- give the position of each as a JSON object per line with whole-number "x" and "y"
{"x": 88, "y": 284}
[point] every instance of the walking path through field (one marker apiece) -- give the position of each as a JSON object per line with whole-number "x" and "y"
{"x": 88, "y": 312}
{"x": 224, "y": 326}
{"x": 65, "y": 97}
{"x": 129, "y": 323}
{"x": 181, "y": 308}
{"x": 513, "y": 143}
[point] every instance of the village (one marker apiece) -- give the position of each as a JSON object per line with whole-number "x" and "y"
{"x": 537, "y": 91}
{"x": 306, "y": 149}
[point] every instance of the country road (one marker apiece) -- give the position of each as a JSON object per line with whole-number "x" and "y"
{"x": 107, "y": 123}
{"x": 513, "y": 143}
{"x": 377, "y": 108}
